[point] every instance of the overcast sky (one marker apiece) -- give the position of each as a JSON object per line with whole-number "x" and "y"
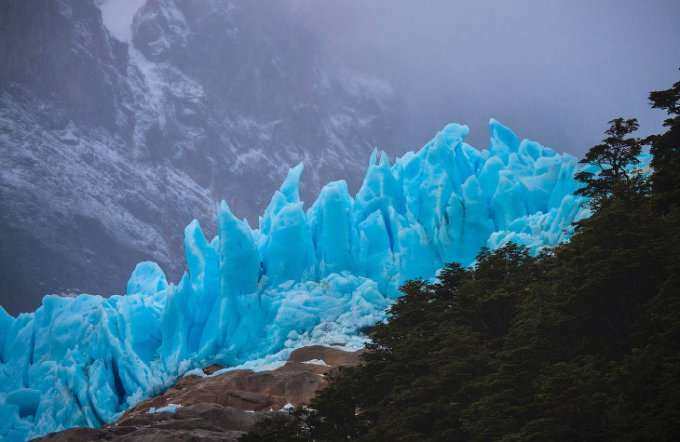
{"x": 553, "y": 70}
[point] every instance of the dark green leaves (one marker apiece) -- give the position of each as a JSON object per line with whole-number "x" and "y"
{"x": 665, "y": 149}
{"x": 613, "y": 159}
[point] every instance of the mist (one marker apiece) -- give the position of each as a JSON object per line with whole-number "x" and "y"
{"x": 130, "y": 118}
{"x": 554, "y": 71}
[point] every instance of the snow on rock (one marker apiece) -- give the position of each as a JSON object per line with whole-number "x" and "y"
{"x": 300, "y": 278}
{"x": 316, "y": 362}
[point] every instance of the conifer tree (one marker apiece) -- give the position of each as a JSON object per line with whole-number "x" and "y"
{"x": 612, "y": 158}
{"x": 665, "y": 149}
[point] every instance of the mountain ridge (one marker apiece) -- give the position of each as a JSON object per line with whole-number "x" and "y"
{"x": 130, "y": 140}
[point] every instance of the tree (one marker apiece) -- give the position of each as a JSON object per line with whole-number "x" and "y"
{"x": 278, "y": 428}
{"x": 665, "y": 149}
{"x": 612, "y": 160}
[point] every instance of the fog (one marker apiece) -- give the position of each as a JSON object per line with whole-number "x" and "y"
{"x": 554, "y": 71}
{"x": 123, "y": 120}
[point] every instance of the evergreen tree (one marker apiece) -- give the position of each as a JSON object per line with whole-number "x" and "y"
{"x": 612, "y": 160}
{"x": 665, "y": 149}
{"x": 282, "y": 428}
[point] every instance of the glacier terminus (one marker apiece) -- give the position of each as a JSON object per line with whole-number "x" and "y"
{"x": 303, "y": 276}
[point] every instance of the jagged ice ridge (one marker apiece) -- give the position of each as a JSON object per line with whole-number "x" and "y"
{"x": 250, "y": 296}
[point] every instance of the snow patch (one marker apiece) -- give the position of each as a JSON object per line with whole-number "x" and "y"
{"x": 316, "y": 362}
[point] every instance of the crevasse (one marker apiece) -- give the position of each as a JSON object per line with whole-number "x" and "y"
{"x": 250, "y": 296}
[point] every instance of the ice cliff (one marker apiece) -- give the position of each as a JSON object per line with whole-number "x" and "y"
{"x": 301, "y": 277}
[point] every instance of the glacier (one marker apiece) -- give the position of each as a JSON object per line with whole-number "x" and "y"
{"x": 316, "y": 276}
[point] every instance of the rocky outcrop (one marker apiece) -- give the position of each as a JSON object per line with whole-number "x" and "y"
{"x": 223, "y": 405}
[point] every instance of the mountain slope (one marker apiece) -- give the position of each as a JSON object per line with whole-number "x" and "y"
{"x": 111, "y": 141}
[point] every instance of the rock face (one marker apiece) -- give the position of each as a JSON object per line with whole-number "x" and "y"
{"x": 223, "y": 406}
{"x": 112, "y": 138}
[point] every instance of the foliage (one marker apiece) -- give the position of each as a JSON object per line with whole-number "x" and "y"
{"x": 280, "y": 428}
{"x": 612, "y": 160}
{"x": 665, "y": 148}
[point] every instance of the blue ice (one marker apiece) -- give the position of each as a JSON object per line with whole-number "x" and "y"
{"x": 314, "y": 276}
